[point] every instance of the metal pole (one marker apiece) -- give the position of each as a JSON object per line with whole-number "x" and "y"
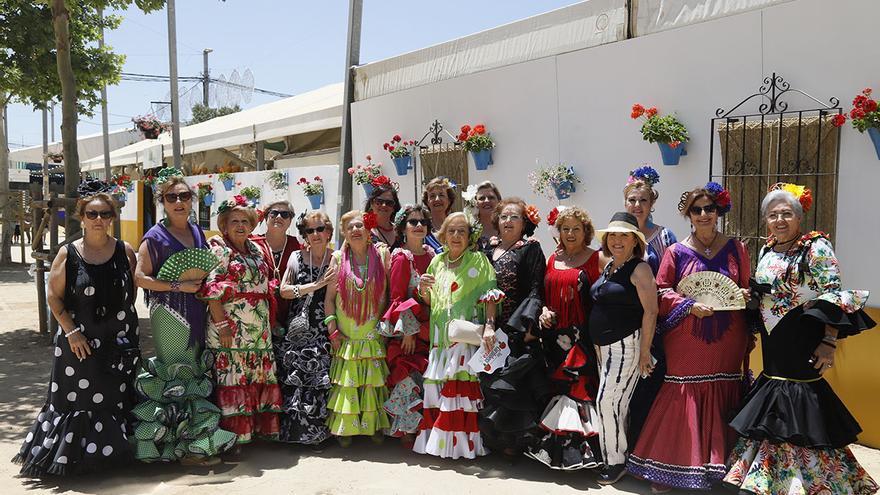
{"x": 52, "y": 114}
{"x": 40, "y": 266}
{"x": 352, "y": 59}
{"x": 105, "y": 125}
{"x": 205, "y": 76}
{"x": 175, "y": 98}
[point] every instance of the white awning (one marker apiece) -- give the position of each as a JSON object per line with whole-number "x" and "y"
{"x": 575, "y": 27}
{"x": 128, "y": 155}
{"x": 659, "y": 15}
{"x": 311, "y": 111}
{"x": 87, "y": 146}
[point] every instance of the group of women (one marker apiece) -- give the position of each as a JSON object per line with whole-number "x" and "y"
{"x": 604, "y": 364}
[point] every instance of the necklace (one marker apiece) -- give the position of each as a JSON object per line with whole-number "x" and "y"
{"x": 779, "y": 244}
{"x": 456, "y": 260}
{"x": 608, "y": 272}
{"x": 498, "y": 258}
{"x": 384, "y": 239}
{"x": 321, "y": 267}
{"x": 356, "y": 266}
{"x": 277, "y": 255}
{"x": 706, "y": 249}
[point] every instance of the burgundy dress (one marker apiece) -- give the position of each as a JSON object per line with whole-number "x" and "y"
{"x": 686, "y": 439}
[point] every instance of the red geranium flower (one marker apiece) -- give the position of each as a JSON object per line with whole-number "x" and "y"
{"x": 390, "y": 148}
{"x": 867, "y": 91}
{"x": 859, "y": 101}
{"x": 870, "y": 106}
{"x": 857, "y": 113}
{"x": 318, "y": 179}
{"x": 651, "y": 112}
{"x": 396, "y": 138}
{"x": 369, "y": 157}
{"x": 385, "y": 146}
{"x": 463, "y": 136}
{"x": 370, "y": 220}
{"x": 480, "y": 129}
{"x": 465, "y": 129}
{"x": 674, "y": 144}
{"x": 838, "y": 120}
{"x": 637, "y": 111}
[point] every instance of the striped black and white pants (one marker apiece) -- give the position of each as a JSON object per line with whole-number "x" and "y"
{"x": 618, "y": 376}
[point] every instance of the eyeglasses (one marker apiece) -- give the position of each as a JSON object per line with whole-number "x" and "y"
{"x": 785, "y": 215}
{"x": 310, "y": 230}
{"x": 512, "y": 218}
{"x": 383, "y": 202}
{"x": 415, "y": 222}
{"x": 175, "y": 197}
{"x": 105, "y": 214}
{"x": 437, "y": 196}
{"x": 281, "y": 213}
{"x": 456, "y": 232}
{"x": 698, "y": 210}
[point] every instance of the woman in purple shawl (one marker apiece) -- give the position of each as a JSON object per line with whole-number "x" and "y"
{"x": 176, "y": 421}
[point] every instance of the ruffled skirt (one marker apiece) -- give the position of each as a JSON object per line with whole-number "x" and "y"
{"x": 356, "y": 401}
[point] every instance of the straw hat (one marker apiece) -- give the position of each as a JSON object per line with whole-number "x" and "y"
{"x": 622, "y": 222}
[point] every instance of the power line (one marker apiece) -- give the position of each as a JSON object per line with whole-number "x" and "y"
{"x": 131, "y": 76}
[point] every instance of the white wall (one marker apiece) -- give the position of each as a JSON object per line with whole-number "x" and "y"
{"x": 575, "y": 107}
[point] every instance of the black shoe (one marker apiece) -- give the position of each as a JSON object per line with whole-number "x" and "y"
{"x": 611, "y": 474}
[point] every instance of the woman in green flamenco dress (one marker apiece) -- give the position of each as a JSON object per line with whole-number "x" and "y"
{"x": 176, "y": 421}
{"x": 354, "y": 305}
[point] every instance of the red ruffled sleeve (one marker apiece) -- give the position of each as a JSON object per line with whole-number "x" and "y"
{"x": 221, "y": 284}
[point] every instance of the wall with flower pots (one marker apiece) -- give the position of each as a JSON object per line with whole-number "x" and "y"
{"x": 575, "y": 108}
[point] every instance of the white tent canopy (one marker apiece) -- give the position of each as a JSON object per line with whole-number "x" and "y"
{"x": 87, "y": 146}
{"x": 315, "y": 110}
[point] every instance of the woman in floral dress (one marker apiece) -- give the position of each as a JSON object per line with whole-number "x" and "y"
{"x": 459, "y": 284}
{"x": 354, "y": 305}
{"x": 239, "y": 296}
{"x": 406, "y": 323}
{"x": 302, "y": 354}
{"x": 795, "y": 430}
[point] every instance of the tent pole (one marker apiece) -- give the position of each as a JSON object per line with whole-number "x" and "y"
{"x": 352, "y": 59}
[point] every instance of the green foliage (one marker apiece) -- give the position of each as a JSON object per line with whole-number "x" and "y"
{"x": 479, "y": 142}
{"x": 665, "y": 129}
{"x": 28, "y": 68}
{"x": 201, "y": 113}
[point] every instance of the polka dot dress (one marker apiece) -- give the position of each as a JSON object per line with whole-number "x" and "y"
{"x": 84, "y": 424}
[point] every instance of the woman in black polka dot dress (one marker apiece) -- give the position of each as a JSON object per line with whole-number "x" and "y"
{"x": 84, "y": 424}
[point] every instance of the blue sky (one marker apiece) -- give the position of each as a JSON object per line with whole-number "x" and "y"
{"x": 291, "y": 46}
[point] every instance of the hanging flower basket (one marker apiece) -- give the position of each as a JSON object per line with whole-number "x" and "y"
{"x": 314, "y": 191}
{"x": 208, "y": 200}
{"x": 402, "y": 164}
{"x": 563, "y": 189}
{"x": 278, "y": 180}
{"x": 482, "y": 159}
{"x": 865, "y": 116}
{"x": 368, "y": 189}
{"x": 363, "y": 175}
{"x": 671, "y": 153}
{"x": 554, "y": 181}
{"x": 252, "y": 193}
{"x": 150, "y": 126}
{"x": 401, "y": 153}
{"x": 227, "y": 179}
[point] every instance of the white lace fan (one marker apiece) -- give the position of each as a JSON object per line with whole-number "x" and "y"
{"x": 712, "y": 289}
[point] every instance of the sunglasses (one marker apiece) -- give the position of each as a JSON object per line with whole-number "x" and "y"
{"x": 310, "y": 231}
{"x": 175, "y": 197}
{"x": 105, "y": 214}
{"x": 415, "y": 222}
{"x": 281, "y": 213}
{"x": 698, "y": 210}
{"x": 383, "y": 202}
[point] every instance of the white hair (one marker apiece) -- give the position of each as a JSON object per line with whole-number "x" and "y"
{"x": 780, "y": 195}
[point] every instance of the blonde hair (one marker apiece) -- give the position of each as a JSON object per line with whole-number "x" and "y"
{"x": 639, "y": 184}
{"x": 223, "y": 217}
{"x": 439, "y": 183}
{"x": 441, "y": 234}
{"x": 579, "y": 214}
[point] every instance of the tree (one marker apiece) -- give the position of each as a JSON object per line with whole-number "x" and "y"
{"x": 50, "y": 53}
{"x": 201, "y": 113}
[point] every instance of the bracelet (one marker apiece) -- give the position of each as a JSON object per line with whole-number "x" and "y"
{"x": 328, "y": 319}
{"x": 334, "y": 335}
{"x": 221, "y": 324}
{"x": 175, "y": 286}
{"x": 296, "y": 292}
{"x": 829, "y": 344}
{"x": 68, "y": 334}
{"x": 829, "y": 338}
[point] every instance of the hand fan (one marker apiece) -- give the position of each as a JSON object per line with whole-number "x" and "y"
{"x": 712, "y": 289}
{"x": 189, "y": 264}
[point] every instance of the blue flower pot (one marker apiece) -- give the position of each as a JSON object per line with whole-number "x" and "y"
{"x": 130, "y": 188}
{"x": 402, "y": 164}
{"x": 228, "y": 183}
{"x": 368, "y": 189}
{"x": 315, "y": 200}
{"x": 671, "y": 155}
{"x": 482, "y": 159}
{"x": 208, "y": 199}
{"x": 875, "y": 138}
{"x": 253, "y": 202}
{"x": 564, "y": 189}
{"x": 121, "y": 196}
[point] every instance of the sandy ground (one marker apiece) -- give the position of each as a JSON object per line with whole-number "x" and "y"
{"x": 25, "y": 362}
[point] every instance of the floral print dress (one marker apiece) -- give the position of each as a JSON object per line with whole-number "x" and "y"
{"x": 794, "y": 429}
{"x": 247, "y": 390}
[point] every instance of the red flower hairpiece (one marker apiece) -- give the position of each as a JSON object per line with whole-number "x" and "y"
{"x": 370, "y": 221}
{"x": 552, "y": 216}
{"x": 240, "y": 200}
{"x": 532, "y": 214}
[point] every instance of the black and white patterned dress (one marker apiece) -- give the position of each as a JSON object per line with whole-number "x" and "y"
{"x": 303, "y": 361}
{"x": 84, "y": 425}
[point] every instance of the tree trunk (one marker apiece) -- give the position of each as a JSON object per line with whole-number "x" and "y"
{"x": 69, "y": 118}
{"x": 5, "y": 203}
